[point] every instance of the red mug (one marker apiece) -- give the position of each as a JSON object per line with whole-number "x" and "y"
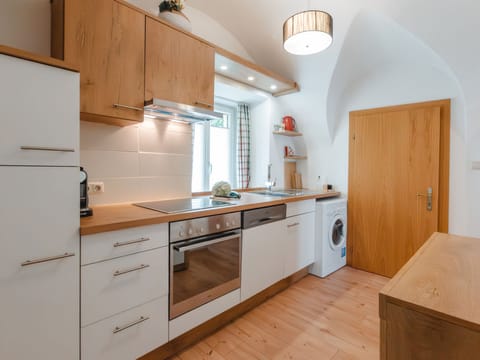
{"x": 289, "y": 123}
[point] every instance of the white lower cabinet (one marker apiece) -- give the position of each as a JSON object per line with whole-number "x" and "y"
{"x": 124, "y": 299}
{"x": 40, "y": 262}
{"x": 128, "y": 335}
{"x": 299, "y": 242}
{"x": 112, "y": 286}
{"x": 262, "y": 257}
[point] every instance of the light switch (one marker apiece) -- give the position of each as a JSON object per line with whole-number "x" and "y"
{"x": 476, "y": 165}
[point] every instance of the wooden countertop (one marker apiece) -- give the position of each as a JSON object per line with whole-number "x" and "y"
{"x": 442, "y": 280}
{"x": 22, "y": 54}
{"x": 122, "y": 216}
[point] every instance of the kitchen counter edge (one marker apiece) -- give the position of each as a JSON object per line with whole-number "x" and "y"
{"x": 123, "y": 216}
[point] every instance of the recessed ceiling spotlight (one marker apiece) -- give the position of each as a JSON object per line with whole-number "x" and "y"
{"x": 250, "y": 78}
{"x": 273, "y": 87}
{"x": 223, "y": 67}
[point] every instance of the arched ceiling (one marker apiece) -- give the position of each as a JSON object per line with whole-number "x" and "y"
{"x": 447, "y": 26}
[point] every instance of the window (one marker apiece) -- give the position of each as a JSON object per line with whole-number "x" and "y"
{"x": 214, "y": 150}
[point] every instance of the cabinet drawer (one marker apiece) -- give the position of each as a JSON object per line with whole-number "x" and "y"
{"x": 39, "y": 111}
{"x": 113, "y": 286}
{"x": 109, "y": 245}
{"x": 128, "y": 335}
{"x": 300, "y": 207}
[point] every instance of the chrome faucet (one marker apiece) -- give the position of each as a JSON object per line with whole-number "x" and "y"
{"x": 269, "y": 183}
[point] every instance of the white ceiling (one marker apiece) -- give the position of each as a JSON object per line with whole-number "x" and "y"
{"x": 449, "y": 27}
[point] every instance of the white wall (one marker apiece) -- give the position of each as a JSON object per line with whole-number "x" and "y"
{"x": 380, "y": 64}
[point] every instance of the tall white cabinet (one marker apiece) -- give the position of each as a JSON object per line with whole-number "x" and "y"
{"x": 39, "y": 211}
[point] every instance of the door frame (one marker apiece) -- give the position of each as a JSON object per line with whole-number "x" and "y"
{"x": 444, "y": 164}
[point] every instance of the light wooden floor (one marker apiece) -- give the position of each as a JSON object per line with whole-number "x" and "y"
{"x": 334, "y": 318}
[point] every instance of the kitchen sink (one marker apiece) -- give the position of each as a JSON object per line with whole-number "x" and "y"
{"x": 285, "y": 192}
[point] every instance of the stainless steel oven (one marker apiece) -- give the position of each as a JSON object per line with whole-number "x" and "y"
{"x": 205, "y": 260}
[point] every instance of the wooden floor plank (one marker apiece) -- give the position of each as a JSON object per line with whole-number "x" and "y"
{"x": 335, "y": 318}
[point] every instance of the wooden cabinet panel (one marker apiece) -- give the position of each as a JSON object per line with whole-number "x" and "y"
{"x": 39, "y": 303}
{"x": 178, "y": 67}
{"x": 105, "y": 39}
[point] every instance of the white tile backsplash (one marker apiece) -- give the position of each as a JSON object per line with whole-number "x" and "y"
{"x": 149, "y": 161}
{"x": 128, "y": 190}
{"x": 108, "y": 138}
{"x": 165, "y": 137}
{"x": 108, "y": 164}
{"x": 154, "y": 164}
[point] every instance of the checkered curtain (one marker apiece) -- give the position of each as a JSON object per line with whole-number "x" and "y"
{"x": 243, "y": 146}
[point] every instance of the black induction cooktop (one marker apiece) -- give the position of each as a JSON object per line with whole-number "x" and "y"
{"x": 183, "y": 205}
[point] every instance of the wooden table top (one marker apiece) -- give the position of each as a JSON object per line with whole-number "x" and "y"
{"x": 122, "y": 216}
{"x": 442, "y": 279}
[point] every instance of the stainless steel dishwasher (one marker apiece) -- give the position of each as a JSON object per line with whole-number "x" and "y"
{"x": 263, "y": 238}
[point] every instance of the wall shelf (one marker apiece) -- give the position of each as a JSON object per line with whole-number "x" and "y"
{"x": 295, "y": 157}
{"x": 287, "y": 133}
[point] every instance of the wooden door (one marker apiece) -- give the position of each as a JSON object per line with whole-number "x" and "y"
{"x": 106, "y": 40}
{"x": 178, "y": 67}
{"x": 395, "y": 157}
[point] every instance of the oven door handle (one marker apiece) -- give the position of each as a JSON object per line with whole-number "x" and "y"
{"x": 197, "y": 245}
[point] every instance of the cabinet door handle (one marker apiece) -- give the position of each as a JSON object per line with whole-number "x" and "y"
{"x": 46, "y": 148}
{"x": 128, "y": 107}
{"x": 203, "y": 104}
{"x": 122, "y": 272}
{"x": 46, "y": 259}
{"x": 136, "y": 322}
{"x": 292, "y": 225}
{"x": 130, "y": 242}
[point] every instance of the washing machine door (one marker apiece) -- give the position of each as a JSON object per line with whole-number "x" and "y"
{"x": 337, "y": 233}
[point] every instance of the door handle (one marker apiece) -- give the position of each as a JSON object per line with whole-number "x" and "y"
{"x": 429, "y": 196}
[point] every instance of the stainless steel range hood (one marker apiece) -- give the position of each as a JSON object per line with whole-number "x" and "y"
{"x": 168, "y": 110}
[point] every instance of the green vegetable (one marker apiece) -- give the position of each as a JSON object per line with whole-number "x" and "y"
{"x": 221, "y": 188}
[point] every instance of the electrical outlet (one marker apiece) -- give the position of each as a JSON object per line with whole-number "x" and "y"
{"x": 96, "y": 187}
{"x": 476, "y": 165}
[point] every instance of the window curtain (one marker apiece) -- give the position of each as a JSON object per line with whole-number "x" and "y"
{"x": 243, "y": 146}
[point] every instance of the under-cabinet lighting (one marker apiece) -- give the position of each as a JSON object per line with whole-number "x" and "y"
{"x": 224, "y": 67}
{"x": 250, "y": 78}
{"x": 273, "y": 87}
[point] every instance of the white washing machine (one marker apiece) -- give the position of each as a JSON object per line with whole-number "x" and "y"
{"x": 330, "y": 236}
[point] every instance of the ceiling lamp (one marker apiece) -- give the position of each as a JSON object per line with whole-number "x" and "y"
{"x": 307, "y": 32}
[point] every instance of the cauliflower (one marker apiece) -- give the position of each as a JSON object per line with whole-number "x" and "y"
{"x": 221, "y": 188}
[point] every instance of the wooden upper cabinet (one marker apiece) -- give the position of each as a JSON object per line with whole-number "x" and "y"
{"x": 178, "y": 67}
{"x": 106, "y": 40}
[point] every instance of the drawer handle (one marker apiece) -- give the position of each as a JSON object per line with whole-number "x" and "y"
{"x": 44, "y": 148}
{"x": 128, "y": 107}
{"x": 292, "y": 225}
{"x": 122, "y": 272}
{"x": 136, "y": 322}
{"x": 46, "y": 259}
{"x": 130, "y": 242}
{"x": 203, "y": 104}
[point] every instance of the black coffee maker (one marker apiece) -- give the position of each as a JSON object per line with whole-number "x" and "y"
{"x": 84, "y": 209}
